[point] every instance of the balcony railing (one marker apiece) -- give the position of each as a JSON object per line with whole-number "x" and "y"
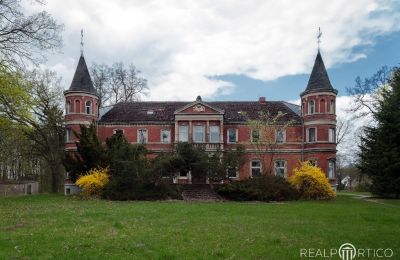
{"x": 209, "y": 146}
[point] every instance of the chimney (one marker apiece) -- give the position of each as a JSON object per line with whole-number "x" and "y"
{"x": 262, "y": 101}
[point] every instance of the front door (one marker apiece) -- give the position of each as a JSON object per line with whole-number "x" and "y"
{"x": 199, "y": 178}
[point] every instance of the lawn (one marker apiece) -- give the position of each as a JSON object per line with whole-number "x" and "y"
{"x": 58, "y": 227}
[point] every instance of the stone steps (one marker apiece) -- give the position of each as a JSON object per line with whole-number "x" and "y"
{"x": 199, "y": 192}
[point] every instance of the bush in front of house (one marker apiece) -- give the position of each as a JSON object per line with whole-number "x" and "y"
{"x": 311, "y": 182}
{"x": 265, "y": 188}
{"x": 93, "y": 181}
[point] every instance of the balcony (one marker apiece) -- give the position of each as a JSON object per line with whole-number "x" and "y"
{"x": 209, "y": 146}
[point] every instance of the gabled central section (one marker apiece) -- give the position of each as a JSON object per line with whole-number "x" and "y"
{"x": 201, "y": 124}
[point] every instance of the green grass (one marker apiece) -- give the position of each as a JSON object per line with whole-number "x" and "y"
{"x": 57, "y": 227}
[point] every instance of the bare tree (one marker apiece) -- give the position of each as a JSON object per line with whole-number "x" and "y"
{"x": 101, "y": 82}
{"x": 367, "y": 92}
{"x": 343, "y": 128}
{"x": 266, "y": 139}
{"x": 25, "y": 38}
{"x": 118, "y": 83}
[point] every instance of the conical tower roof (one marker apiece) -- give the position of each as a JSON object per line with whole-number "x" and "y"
{"x": 82, "y": 80}
{"x": 319, "y": 79}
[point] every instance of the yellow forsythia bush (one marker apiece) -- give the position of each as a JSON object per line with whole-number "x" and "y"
{"x": 311, "y": 182}
{"x": 93, "y": 181}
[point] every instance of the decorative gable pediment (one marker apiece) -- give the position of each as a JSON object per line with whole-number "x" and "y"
{"x": 199, "y": 107}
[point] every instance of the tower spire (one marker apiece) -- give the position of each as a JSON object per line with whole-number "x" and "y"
{"x": 82, "y": 42}
{"x": 319, "y": 37}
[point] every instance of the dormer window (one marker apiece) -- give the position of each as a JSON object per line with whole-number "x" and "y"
{"x": 88, "y": 107}
{"x": 150, "y": 112}
{"x": 311, "y": 107}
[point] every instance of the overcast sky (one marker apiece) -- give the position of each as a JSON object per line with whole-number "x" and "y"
{"x": 221, "y": 50}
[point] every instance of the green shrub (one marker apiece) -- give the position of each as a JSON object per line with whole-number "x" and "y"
{"x": 265, "y": 188}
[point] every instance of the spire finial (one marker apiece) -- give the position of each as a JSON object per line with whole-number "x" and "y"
{"x": 319, "y": 37}
{"x": 82, "y": 42}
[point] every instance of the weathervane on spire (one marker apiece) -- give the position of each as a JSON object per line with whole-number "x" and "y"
{"x": 82, "y": 42}
{"x": 319, "y": 37}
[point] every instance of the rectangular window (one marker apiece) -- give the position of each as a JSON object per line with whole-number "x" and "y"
{"x": 313, "y": 162}
{"x": 280, "y": 168}
{"x": 198, "y": 136}
{"x": 280, "y": 136}
{"x": 68, "y": 135}
{"x": 232, "y": 138}
{"x": 165, "y": 136}
{"x": 331, "y": 169}
{"x": 255, "y": 167}
{"x": 142, "y": 136}
{"x": 311, "y": 135}
{"x": 118, "y": 131}
{"x": 183, "y": 174}
{"x": 214, "y": 134}
{"x": 255, "y": 135}
{"x": 183, "y": 133}
{"x": 233, "y": 172}
{"x": 331, "y": 135}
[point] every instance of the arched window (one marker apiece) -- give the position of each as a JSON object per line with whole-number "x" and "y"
{"x": 312, "y": 107}
{"x": 68, "y": 107}
{"x": 88, "y": 107}
{"x": 322, "y": 106}
{"x": 77, "y": 106}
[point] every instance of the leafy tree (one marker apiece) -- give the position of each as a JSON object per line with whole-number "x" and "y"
{"x": 31, "y": 102}
{"x": 90, "y": 153}
{"x": 380, "y": 154}
{"x": 25, "y": 38}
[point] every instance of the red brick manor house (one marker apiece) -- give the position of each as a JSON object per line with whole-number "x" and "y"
{"x": 216, "y": 125}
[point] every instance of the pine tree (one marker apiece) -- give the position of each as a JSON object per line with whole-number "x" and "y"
{"x": 380, "y": 148}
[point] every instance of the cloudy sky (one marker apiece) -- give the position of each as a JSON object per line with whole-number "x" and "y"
{"x": 229, "y": 50}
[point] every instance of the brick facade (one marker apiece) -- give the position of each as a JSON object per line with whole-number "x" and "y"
{"x": 311, "y": 135}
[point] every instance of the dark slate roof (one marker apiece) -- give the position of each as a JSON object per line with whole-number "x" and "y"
{"x": 319, "y": 79}
{"x": 82, "y": 80}
{"x": 137, "y": 112}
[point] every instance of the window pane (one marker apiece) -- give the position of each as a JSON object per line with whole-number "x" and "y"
{"x": 183, "y": 133}
{"x": 312, "y": 107}
{"x": 232, "y": 172}
{"x": 331, "y": 135}
{"x": 232, "y": 136}
{"x": 311, "y": 134}
{"x": 280, "y": 135}
{"x": 165, "y": 136}
{"x": 280, "y": 168}
{"x": 214, "y": 134}
{"x": 331, "y": 169}
{"x": 255, "y": 163}
{"x": 69, "y": 134}
{"x": 198, "y": 136}
{"x": 255, "y": 135}
{"x": 142, "y": 136}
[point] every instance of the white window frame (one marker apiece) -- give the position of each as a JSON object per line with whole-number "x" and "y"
{"x": 284, "y": 135}
{"x": 251, "y": 135}
{"x": 68, "y": 135}
{"x": 218, "y": 136}
{"x": 331, "y": 169}
{"x": 313, "y": 107}
{"x": 308, "y": 135}
{"x": 331, "y": 135}
{"x": 236, "y": 171}
{"x": 146, "y": 136}
{"x": 236, "y": 135}
{"x": 88, "y": 107}
{"x": 180, "y": 133}
{"x": 258, "y": 167}
{"x": 203, "y": 133}
{"x": 284, "y": 167}
{"x": 169, "y": 136}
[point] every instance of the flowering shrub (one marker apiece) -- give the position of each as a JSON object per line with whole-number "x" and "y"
{"x": 311, "y": 182}
{"x": 93, "y": 181}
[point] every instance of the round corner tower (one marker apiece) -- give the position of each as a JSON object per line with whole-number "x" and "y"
{"x": 81, "y": 103}
{"x": 318, "y": 109}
